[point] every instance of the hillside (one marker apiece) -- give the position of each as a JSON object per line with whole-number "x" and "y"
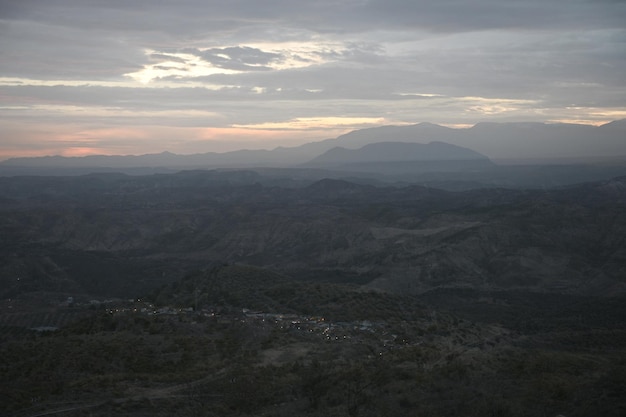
{"x": 256, "y": 342}
{"x": 225, "y": 293}
{"x": 119, "y": 235}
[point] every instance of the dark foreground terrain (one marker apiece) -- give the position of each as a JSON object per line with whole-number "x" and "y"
{"x": 225, "y": 293}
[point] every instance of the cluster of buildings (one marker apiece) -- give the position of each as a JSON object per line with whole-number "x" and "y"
{"x": 315, "y": 326}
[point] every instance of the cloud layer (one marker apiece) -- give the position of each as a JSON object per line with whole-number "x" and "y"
{"x": 90, "y": 76}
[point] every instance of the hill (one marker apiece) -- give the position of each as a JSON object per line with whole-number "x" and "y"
{"x": 317, "y": 349}
{"x": 117, "y": 235}
{"x": 402, "y": 157}
{"x": 225, "y": 293}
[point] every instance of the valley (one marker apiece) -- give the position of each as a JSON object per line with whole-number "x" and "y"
{"x": 241, "y": 293}
{"x": 351, "y": 208}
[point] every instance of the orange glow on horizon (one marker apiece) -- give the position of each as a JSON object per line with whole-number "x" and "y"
{"x": 317, "y": 123}
{"x": 582, "y": 122}
{"x": 78, "y": 151}
{"x": 457, "y": 125}
{"x": 253, "y": 135}
{"x": 142, "y": 140}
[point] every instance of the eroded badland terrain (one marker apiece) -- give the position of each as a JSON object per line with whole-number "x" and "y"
{"x": 219, "y": 293}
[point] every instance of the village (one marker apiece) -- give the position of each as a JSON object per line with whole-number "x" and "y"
{"x": 360, "y": 331}
{"x": 56, "y": 316}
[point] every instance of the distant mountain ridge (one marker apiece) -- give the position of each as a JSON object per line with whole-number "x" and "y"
{"x": 401, "y": 157}
{"x": 398, "y": 151}
{"x": 493, "y": 140}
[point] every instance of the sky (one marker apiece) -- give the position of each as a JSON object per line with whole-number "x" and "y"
{"x": 81, "y": 77}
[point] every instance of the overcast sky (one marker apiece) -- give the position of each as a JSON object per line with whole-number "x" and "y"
{"x": 84, "y": 77}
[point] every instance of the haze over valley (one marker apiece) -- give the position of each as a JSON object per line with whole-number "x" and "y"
{"x": 372, "y": 272}
{"x": 544, "y": 155}
{"x": 188, "y": 291}
{"x": 344, "y": 208}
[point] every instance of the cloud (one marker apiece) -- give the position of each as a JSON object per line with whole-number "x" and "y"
{"x": 238, "y": 58}
{"x": 198, "y": 18}
{"x": 306, "y": 123}
{"x": 456, "y": 16}
{"x": 44, "y": 51}
{"x": 208, "y": 64}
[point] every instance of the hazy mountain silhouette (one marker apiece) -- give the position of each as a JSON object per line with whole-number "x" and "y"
{"x": 399, "y": 157}
{"x": 507, "y": 140}
{"x": 520, "y": 141}
{"x": 309, "y": 291}
{"x": 398, "y": 151}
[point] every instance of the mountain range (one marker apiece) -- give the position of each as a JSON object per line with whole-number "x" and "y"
{"x": 319, "y": 289}
{"x": 496, "y": 141}
{"x": 397, "y": 152}
{"x": 402, "y": 157}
